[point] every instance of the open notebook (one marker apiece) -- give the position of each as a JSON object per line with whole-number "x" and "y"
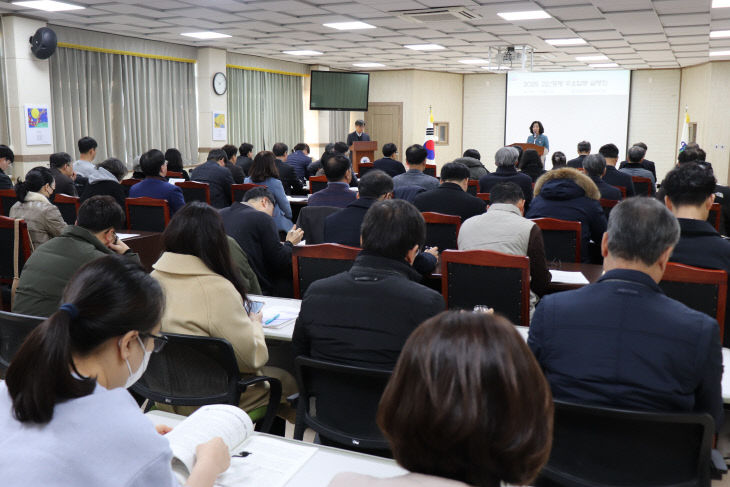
{"x": 269, "y": 461}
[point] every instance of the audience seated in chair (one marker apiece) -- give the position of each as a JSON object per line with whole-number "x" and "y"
{"x": 451, "y": 198}
{"x": 690, "y": 192}
{"x": 387, "y": 163}
{"x": 206, "y": 296}
{"x": 558, "y": 160}
{"x": 584, "y": 149}
{"x": 263, "y": 171}
{"x": 52, "y": 264}
{"x": 506, "y": 160}
{"x": 251, "y": 224}
{"x": 6, "y": 159}
{"x": 175, "y": 163}
{"x": 362, "y": 317}
{"x": 87, "y": 154}
{"x": 289, "y": 179}
{"x": 43, "y": 217}
{"x": 634, "y": 168}
{"x": 613, "y": 176}
{"x": 219, "y": 179}
{"x": 337, "y": 193}
{"x": 105, "y": 180}
{"x": 566, "y": 194}
{"x": 531, "y": 164}
{"x": 467, "y": 404}
{"x": 70, "y": 378}
{"x": 504, "y": 229}
{"x": 595, "y": 168}
{"x": 314, "y": 167}
{"x": 154, "y": 184}
{"x": 236, "y": 172}
{"x": 472, "y": 160}
{"x": 299, "y": 160}
{"x": 63, "y": 173}
{"x": 416, "y": 160}
{"x": 621, "y": 342}
{"x": 343, "y": 227}
{"x": 245, "y": 157}
{"x": 645, "y": 163}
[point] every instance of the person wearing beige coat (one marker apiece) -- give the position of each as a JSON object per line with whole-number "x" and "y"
{"x": 204, "y": 303}
{"x": 43, "y": 217}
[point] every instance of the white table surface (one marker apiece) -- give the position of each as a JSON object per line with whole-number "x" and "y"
{"x": 324, "y": 464}
{"x": 284, "y": 333}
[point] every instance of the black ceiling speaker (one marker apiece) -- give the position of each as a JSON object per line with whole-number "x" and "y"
{"x": 43, "y": 43}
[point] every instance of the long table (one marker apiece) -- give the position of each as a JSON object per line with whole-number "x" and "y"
{"x": 321, "y": 467}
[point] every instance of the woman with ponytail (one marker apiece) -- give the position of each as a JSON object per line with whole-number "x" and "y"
{"x": 65, "y": 415}
{"x": 43, "y": 218}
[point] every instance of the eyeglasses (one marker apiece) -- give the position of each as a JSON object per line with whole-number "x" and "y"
{"x": 159, "y": 341}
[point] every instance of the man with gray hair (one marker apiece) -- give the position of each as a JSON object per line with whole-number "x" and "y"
{"x": 595, "y": 167}
{"x": 584, "y": 149}
{"x": 634, "y": 168}
{"x": 506, "y": 160}
{"x": 621, "y": 342}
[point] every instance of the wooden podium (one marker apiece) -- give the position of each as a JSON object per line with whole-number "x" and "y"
{"x": 540, "y": 149}
{"x": 362, "y": 149}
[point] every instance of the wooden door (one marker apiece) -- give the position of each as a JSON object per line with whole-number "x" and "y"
{"x": 385, "y": 125}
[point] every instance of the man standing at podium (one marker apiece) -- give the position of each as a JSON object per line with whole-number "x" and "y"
{"x": 358, "y": 135}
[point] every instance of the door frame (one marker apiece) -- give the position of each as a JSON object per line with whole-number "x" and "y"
{"x": 399, "y": 141}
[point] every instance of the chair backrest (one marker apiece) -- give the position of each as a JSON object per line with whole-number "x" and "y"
{"x": 239, "y": 190}
{"x": 484, "y": 277}
{"x": 623, "y": 191}
{"x": 194, "y": 191}
{"x": 14, "y": 328}
{"x": 607, "y": 206}
{"x": 364, "y": 167}
{"x": 602, "y": 447}
{"x": 715, "y": 215}
{"x": 642, "y": 185}
{"x": 704, "y": 290}
{"x": 485, "y": 197}
{"x": 442, "y": 231}
{"x": 128, "y": 183}
{"x": 7, "y": 242}
{"x": 472, "y": 187}
{"x": 317, "y": 183}
{"x": 191, "y": 371}
{"x": 68, "y": 206}
{"x": 313, "y": 262}
{"x": 330, "y": 395}
{"x": 311, "y": 221}
{"x": 562, "y": 239}
{"x": 7, "y": 199}
{"x": 148, "y": 214}
{"x": 174, "y": 174}
{"x": 430, "y": 170}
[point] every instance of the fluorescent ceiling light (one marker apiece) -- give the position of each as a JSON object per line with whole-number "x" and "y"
{"x": 528, "y": 15}
{"x": 720, "y": 3}
{"x": 719, "y": 53}
{"x": 205, "y": 35}
{"x": 49, "y": 5}
{"x": 716, "y": 34}
{"x": 425, "y": 47}
{"x": 597, "y": 57}
{"x": 368, "y": 65}
{"x": 574, "y": 41}
{"x": 604, "y": 65}
{"x": 473, "y": 61}
{"x": 303, "y": 53}
{"x": 349, "y": 25}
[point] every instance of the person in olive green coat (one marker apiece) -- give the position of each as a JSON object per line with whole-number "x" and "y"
{"x": 52, "y": 264}
{"x": 240, "y": 259}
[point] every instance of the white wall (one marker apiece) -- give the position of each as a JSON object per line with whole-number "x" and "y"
{"x": 484, "y": 106}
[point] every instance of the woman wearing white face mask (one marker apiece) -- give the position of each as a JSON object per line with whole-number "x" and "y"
{"x": 65, "y": 416}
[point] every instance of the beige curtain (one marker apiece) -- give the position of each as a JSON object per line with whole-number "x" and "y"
{"x": 4, "y": 127}
{"x": 128, "y": 104}
{"x": 339, "y": 126}
{"x": 264, "y": 108}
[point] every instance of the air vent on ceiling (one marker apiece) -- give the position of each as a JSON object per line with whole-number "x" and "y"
{"x": 446, "y": 14}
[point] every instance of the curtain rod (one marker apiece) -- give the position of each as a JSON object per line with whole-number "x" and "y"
{"x": 125, "y": 53}
{"x": 264, "y": 70}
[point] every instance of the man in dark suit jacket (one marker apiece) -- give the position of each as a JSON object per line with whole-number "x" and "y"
{"x": 358, "y": 135}
{"x": 244, "y": 159}
{"x": 646, "y": 164}
{"x": 231, "y": 159}
{"x": 63, "y": 174}
{"x": 154, "y": 184}
{"x": 690, "y": 192}
{"x": 387, "y": 164}
{"x": 621, "y": 342}
{"x": 287, "y": 176}
{"x": 595, "y": 167}
{"x": 338, "y": 192}
{"x": 251, "y": 225}
{"x": 613, "y": 176}
{"x": 584, "y": 148}
{"x": 6, "y": 158}
{"x": 219, "y": 178}
{"x": 450, "y": 197}
{"x": 299, "y": 160}
{"x": 506, "y": 160}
